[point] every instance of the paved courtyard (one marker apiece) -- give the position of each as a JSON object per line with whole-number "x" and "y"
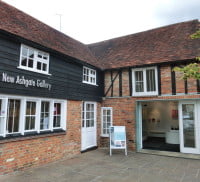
{"x": 98, "y": 166}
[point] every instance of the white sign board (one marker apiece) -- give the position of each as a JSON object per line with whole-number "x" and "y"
{"x": 118, "y": 138}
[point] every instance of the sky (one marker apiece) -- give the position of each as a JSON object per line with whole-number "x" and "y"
{"x": 92, "y": 21}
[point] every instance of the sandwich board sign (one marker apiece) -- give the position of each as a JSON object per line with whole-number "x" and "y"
{"x": 118, "y": 138}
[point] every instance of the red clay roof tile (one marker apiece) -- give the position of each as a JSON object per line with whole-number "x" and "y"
{"x": 165, "y": 44}
{"x": 19, "y": 23}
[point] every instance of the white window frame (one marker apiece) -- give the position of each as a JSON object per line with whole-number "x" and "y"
{"x": 145, "y": 93}
{"x": 102, "y": 120}
{"x": 23, "y": 101}
{"x": 84, "y": 112}
{"x": 36, "y": 114}
{"x": 90, "y": 76}
{"x": 36, "y": 59}
{"x": 62, "y": 113}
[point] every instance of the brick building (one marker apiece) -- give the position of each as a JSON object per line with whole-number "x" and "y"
{"x": 58, "y": 97}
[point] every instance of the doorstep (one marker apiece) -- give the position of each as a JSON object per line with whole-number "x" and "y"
{"x": 170, "y": 154}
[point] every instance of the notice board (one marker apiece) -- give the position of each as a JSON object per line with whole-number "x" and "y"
{"x": 118, "y": 138}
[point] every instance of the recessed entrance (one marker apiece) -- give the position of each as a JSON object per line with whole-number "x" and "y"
{"x": 169, "y": 126}
{"x": 160, "y": 126}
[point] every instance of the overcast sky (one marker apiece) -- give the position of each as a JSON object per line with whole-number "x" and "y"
{"x": 96, "y": 20}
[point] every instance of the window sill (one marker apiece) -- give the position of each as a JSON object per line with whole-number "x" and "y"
{"x": 90, "y": 83}
{"x": 35, "y": 71}
{"x": 105, "y": 136}
{"x": 145, "y": 95}
{"x": 30, "y": 136}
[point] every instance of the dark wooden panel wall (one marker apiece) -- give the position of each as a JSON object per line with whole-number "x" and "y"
{"x": 65, "y": 78}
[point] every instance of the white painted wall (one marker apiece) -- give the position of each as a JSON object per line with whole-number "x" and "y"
{"x": 157, "y": 116}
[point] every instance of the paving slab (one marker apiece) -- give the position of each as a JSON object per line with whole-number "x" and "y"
{"x": 98, "y": 166}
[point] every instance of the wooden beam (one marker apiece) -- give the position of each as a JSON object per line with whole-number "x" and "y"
{"x": 112, "y": 82}
{"x": 186, "y": 86}
{"x": 173, "y": 80}
{"x": 198, "y": 86}
{"x": 130, "y": 81}
{"x": 120, "y": 82}
{"x": 159, "y": 80}
{"x": 111, "y": 78}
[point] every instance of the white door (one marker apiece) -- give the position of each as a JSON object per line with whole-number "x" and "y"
{"x": 88, "y": 132}
{"x": 189, "y": 127}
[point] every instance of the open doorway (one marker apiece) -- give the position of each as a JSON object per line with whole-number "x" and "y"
{"x": 160, "y": 126}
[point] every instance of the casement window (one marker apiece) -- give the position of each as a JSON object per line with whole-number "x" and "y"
{"x": 145, "y": 81}
{"x": 57, "y": 115}
{"x": 106, "y": 120}
{"x": 21, "y": 115}
{"x": 13, "y": 113}
{"x": 30, "y": 116}
{"x": 34, "y": 60}
{"x": 45, "y": 115}
{"x": 89, "y": 76}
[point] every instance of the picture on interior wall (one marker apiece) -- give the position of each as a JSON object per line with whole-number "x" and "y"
{"x": 174, "y": 114}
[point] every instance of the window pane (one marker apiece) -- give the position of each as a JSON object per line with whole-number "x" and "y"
{"x": 24, "y": 51}
{"x": 39, "y": 55}
{"x": 39, "y": 65}
{"x": 44, "y": 67}
{"x": 106, "y": 120}
{"x": 30, "y": 63}
{"x": 13, "y": 115}
{"x": 24, "y": 61}
{"x": 30, "y": 115}
{"x": 56, "y": 117}
{"x": 31, "y": 53}
{"x": 139, "y": 81}
{"x": 44, "y": 119}
{"x": 151, "y": 83}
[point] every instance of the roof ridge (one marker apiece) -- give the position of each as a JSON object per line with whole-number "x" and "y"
{"x": 153, "y": 29}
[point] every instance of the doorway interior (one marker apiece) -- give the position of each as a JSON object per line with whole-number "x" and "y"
{"x": 160, "y": 126}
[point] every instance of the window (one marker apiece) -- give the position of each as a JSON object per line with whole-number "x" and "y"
{"x": 30, "y": 116}
{"x": 21, "y": 115}
{"x": 44, "y": 115}
{"x": 34, "y": 60}
{"x": 57, "y": 115}
{"x": 13, "y": 116}
{"x": 89, "y": 76}
{"x": 106, "y": 120}
{"x": 145, "y": 81}
{"x": 88, "y": 114}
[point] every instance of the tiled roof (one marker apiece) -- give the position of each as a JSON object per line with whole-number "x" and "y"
{"x": 19, "y": 23}
{"x": 165, "y": 44}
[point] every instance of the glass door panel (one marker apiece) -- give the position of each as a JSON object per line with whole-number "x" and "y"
{"x": 188, "y": 127}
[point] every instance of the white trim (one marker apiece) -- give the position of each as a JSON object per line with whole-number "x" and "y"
{"x": 36, "y": 59}
{"x": 90, "y": 76}
{"x": 196, "y": 149}
{"x": 88, "y": 141}
{"x": 22, "y": 113}
{"x": 145, "y": 93}
{"x": 102, "y": 120}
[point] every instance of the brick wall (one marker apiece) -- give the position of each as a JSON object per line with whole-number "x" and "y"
{"x": 21, "y": 153}
{"x": 124, "y": 113}
{"x": 166, "y": 83}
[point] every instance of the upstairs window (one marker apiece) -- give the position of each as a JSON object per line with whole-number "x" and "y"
{"x": 145, "y": 81}
{"x": 34, "y": 60}
{"x": 89, "y": 76}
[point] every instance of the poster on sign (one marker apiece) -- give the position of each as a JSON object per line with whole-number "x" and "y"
{"x": 118, "y": 138}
